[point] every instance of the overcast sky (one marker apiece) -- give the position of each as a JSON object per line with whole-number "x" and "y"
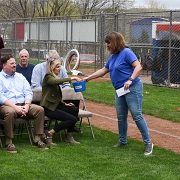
{"x": 170, "y": 4}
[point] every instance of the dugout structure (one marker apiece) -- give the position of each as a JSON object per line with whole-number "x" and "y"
{"x": 166, "y": 52}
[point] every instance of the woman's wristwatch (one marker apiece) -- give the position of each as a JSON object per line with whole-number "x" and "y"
{"x": 131, "y": 79}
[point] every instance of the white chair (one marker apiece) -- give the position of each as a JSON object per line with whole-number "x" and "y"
{"x": 70, "y": 94}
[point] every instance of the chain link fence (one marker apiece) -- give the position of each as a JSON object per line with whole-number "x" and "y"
{"x": 153, "y": 36}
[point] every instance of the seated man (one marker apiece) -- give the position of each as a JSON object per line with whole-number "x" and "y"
{"x": 41, "y": 69}
{"x": 15, "y": 101}
{"x": 24, "y": 67}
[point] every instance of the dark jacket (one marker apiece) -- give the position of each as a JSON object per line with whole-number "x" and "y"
{"x": 51, "y": 92}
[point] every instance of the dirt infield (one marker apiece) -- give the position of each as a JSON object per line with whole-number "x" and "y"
{"x": 163, "y": 133}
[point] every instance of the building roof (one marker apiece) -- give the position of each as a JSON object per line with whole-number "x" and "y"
{"x": 147, "y": 21}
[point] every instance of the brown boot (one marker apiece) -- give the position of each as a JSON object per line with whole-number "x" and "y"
{"x": 47, "y": 138}
{"x": 69, "y": 138}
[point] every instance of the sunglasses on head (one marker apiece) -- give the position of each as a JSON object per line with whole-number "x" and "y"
{"x": 52, "y": 60}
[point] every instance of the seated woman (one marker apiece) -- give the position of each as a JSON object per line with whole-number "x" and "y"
{"x": 53, "y": 105}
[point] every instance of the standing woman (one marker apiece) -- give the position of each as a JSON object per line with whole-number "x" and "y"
{"x": 53, "y": 105}
{"x": 124, "y": 69}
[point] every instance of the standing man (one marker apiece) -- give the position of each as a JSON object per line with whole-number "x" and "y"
{"x": 24, "y": 67}
{"x": 1, "y": 46}
{"x": 15, "y": 101}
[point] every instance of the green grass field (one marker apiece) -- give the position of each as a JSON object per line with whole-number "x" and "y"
{"x": 93, "y": 159}
{"x": 97, "y": 159}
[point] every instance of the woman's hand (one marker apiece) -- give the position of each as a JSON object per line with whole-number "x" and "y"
{"x": 127, "y": 84}
{"x": 76, "y": 78}
{"x": 69, "y": 104}
{"x": 85, "y": 79}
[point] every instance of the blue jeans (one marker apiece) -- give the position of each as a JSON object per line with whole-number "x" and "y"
{"x": 131, "y": 101}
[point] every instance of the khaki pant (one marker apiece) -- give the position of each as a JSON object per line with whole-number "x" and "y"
{"x": 9, "y": 115}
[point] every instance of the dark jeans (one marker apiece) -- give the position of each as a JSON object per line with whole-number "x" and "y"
{"x": 67, "y": 116}
{"x": 75, "y": 102}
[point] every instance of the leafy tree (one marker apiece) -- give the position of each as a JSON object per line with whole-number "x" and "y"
{"x": 50, "y": 8}
{"x": 144, "y": 38}
{"x": 36, "y": 8}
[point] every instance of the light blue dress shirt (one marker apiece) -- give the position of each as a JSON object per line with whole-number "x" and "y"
{"x": 14, "y": 88}
{"x": 39, "y": 72}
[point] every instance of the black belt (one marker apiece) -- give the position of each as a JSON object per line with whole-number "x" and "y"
{"x": 20, "y": 104}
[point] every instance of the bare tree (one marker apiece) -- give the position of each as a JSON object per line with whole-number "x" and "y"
{"x": 153, "y": 5}
{"x": 16, "y": 9}
{"x": 116, "y": 5}
{"x": 87, "y": 7}
{"x": 50, "y": 8}
{"x": 36, "y": 8}
{"x": 61, "y": 8}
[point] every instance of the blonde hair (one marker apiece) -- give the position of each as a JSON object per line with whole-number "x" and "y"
{"x": 52, "y": 63}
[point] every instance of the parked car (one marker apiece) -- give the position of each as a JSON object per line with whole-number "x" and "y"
{"x": 89, "y": 58}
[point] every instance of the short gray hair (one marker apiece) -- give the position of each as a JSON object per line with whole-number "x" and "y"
{"x": 51, "y": 54}
{"x": 24, "y": 51}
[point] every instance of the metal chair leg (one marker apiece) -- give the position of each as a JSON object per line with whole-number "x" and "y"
{"x": 0, "y": 143}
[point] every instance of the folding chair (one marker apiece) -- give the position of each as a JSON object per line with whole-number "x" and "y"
{"x": 70, "y": 94}
{"x": 20, "y": 129}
